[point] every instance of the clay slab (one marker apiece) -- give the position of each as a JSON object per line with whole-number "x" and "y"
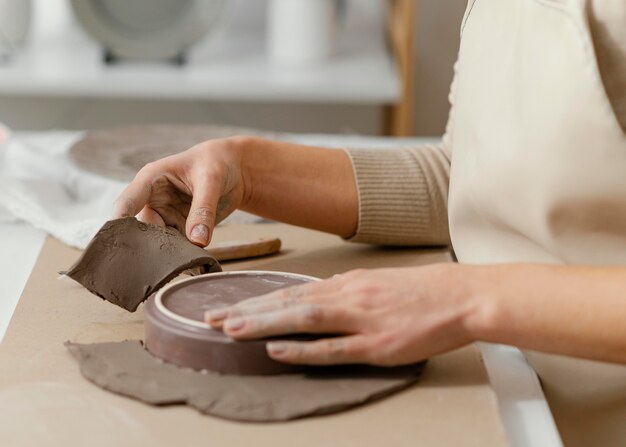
{"x": 127, "y": 368}
{"x": 128, "y": 260}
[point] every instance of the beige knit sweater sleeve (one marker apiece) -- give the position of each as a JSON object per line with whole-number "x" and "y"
{"x": 403, "y": 193}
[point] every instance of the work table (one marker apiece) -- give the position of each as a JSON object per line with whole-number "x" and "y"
{"x": 41, "y": 385}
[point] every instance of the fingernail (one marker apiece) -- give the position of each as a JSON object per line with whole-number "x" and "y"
{"x": 215, "y": 314}
{"x": 200, "y": 234}
{"x": 276, "y": 348}
{"x": 234, "y": 324}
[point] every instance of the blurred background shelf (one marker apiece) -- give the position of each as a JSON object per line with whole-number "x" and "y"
{"x": 58, "y": 80}
{"x": 62, "y": 61}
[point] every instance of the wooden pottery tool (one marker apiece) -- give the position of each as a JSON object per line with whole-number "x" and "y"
{"x": 241, "y": 249}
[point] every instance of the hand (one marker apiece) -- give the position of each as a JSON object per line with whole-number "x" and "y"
{"x": 191, "y": 191}
{"x": 386, "y": 317}
{"x": 194, "y": 190}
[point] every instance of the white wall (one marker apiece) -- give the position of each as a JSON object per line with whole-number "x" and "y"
{"x": 436, "y": 47}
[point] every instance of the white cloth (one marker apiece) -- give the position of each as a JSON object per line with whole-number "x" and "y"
{"x": 40, "y": 185}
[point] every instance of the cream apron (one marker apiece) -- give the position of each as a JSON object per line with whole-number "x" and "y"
{"x": 539, "y": 175}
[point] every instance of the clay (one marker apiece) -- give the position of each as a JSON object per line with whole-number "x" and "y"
{"x": 175, "y": 330}
{"x": 126, "y": 368}
{"x": 128, "y": 260}
{"x": 120, "y": 152}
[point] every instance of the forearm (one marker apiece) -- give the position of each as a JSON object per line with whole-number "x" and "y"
{"x": 571, "y": 310}
{"x": 305, "y": 186}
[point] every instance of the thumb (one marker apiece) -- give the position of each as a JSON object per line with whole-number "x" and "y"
{"x": 202, "y": 215}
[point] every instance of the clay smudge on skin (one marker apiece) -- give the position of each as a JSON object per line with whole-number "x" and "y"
{"x": 128, "y": 260}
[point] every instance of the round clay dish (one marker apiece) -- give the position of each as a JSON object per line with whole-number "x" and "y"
{"x": 175, "y": 330}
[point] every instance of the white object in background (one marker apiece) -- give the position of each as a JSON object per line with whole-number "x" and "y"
{"x": 301, "y": 32}
{"x": 41, "y": 186}
{"x": 148, "y": 29}
{"x": 60, "y": 60}
{"x": 14, "y": 24}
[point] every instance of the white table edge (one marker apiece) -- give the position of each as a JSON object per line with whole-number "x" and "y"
{"x": 523, "y": 408}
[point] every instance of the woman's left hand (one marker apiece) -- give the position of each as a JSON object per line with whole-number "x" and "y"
{"x": 384, "y": 317}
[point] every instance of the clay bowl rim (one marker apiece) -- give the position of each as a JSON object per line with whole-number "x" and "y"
{"x": 160, "y": 307}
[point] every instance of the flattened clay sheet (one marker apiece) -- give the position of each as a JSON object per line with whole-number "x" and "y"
{"x": 126, "y": 368}
{"x": 128, "y": 260}
{"x": 120, "y": 152}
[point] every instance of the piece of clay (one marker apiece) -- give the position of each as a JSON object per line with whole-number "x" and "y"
{"x": 175, "y": 330}
{"x": 128, "y": 260}
{"x": 119, "y": 152}
{"x": 126, "y": 368}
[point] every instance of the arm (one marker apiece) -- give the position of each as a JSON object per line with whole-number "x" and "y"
{"x": 399, "y": 316}
{"x": 300, "y": 185}
{"x": 401, "y": 197}
{"x": 394, "y": 197}
{"x": 578, "y": 311}
{"x": 196, "y": 189}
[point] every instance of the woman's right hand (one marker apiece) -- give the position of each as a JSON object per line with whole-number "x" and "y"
{"x": 300, "y": 185}
{"x": 191, "y": 191}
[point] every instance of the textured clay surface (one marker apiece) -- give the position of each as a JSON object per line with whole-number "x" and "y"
{"x": 126, "y": 368}
{"x": 128, "y": 260}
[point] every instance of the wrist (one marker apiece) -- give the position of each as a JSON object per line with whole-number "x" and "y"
{"x": 245, "y": 149}
{"x": 483, "y": 315}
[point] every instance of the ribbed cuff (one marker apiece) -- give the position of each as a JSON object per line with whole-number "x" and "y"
{"x": 399, "y": 203}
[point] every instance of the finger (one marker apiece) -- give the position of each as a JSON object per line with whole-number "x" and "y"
{"x": 171, "y": 216}
{"x": 295, "y": 293}
{"x": 201, "y": 219}
{"x": 306, "y": 318}
{"x": 134, "y": 197}
{"x": 216, "y": 317}
{"x": 150, "y": 216}
{"x": 328, "y": 351}
{"x": 313, "y": 292}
